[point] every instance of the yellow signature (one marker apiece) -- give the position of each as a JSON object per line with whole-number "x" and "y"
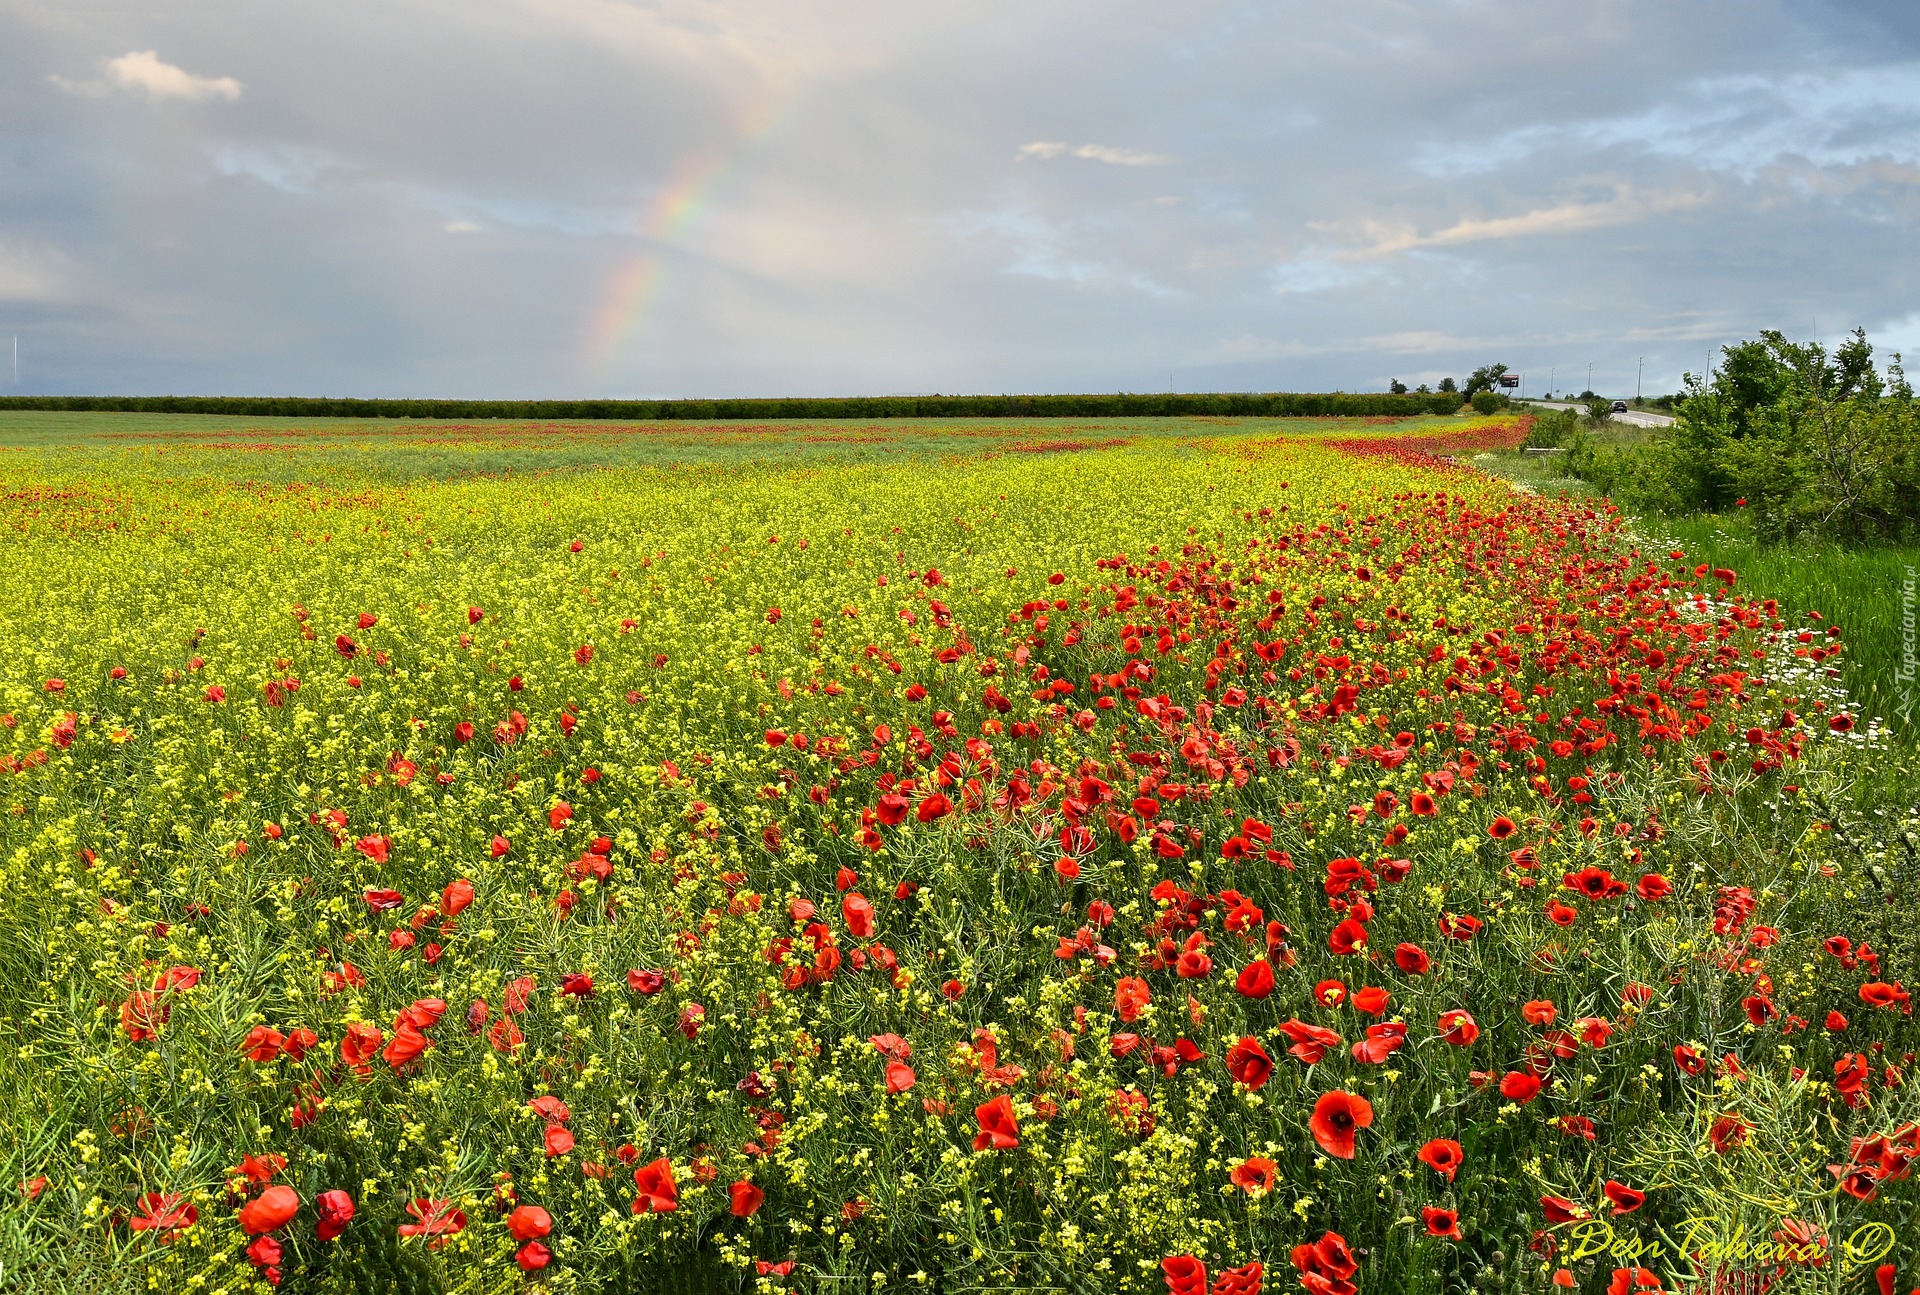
{"x": 1702, "y": 1246}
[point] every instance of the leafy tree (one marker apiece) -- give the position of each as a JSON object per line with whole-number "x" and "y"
{"x": 1398, "y": 387}
{"x": 1447, "y": 385}
{"x": 1484, "y": 378}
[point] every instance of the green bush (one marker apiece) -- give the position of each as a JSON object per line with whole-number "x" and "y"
{"x": 1810, "y": 444}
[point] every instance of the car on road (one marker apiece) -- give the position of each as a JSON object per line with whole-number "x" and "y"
{"x": 1619, "y": 406}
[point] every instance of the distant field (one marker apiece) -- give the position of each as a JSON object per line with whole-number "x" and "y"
{"x": 403, "y": 449}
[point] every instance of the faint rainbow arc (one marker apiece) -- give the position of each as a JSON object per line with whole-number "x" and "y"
{"x": 636, "y": 284}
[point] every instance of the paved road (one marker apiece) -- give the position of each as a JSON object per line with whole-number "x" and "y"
{"x": 1636, "y": 417}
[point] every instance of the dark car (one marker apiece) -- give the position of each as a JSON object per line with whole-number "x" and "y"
{"x": 1619, "y": 406}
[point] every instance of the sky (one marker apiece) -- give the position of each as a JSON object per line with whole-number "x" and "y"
{"x": 588, "y": 198}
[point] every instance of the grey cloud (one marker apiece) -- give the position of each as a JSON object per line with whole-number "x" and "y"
{"x": 560, "y": 197}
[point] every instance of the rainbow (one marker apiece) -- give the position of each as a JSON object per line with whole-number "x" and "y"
{"x": 638, "y": 282}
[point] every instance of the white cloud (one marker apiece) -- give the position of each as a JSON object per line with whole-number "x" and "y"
{"x": 143, "y": 70}
{"x": 1047, "y": 149}
{"x": 30, "y": 275}
{"x": 1120, "y": 156}
{"x": 461, "y": 227}
{"x": 1565, "y": 218}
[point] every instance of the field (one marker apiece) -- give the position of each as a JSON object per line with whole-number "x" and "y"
{"x": 1064, "y": 855}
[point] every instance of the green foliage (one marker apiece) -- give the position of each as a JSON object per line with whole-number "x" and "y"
{"x": 1118, "y": 405}
{"x": 1810, "y": 444}
{"x": 1553, "y": 429}
{"x": 1486, "y": 402}
{"x": 1484, "y": 378}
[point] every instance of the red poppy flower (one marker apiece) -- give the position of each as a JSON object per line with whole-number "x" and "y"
{"x": 271, "y": 1210}
{"x": 1255, "y": 979}
{"x": 1310, "y": 1042}
{"x": 1538, "y": 1011}
{"x": 1330, "y": 993}
{"x": 335, "y": 1209}
{"x": 744, "y": 1199}
{"x": 1727, "y": 1133}
{"x": 1249, "y": 1063}
{"x": 438, "y": 1221}
{"x": 1372, "y": 1000}
{"x": 1625, "y": 1199}
{"x": 1501, "y": 828}
{"x": 164, "y": 1213}
{"x": 1458, "y": 1028}
{"x": 1347, "y": 938}
{"x": 1382, "y": 1041}
{"x": 1193, "y": 964}
{"x": 1628, "y": 1280}
{"x": 261, "y": 1044}
{"x": 1244, "y": 1280}
{"x": 1559, "y": 1209}
{"x": 1595, "y": 883}
{"x": 933, "y": 808}
{"x": 558, "y": 1141}
{"x": 532, "y": 1257}
{"x": 1336, "y": 1117}
{"x": 1517, "y": 1086}
{"x": 1561, "y": 914}
{"x": 1412, "y": 959}
{"x": 1459, "y": 926}
{"x": 1688, "y": 1058}
{"x": 1444, "y": 1155}
{"x": 1184, "y": 1274}
{"x": 1130, "y": 998}
{"x": 1877, "y": 993}
{"x": 1423, "y": 805}
{"x": 529, "y": 1223}
{"x": 659, "y": 1194}
{"x": 359, "y": 1046}
{"x": 1255, "y": 1175}
{"x": 1653, "y": 887}
{"x": 407, "y": 1044}
{"x": 999, "y": 1127}
{"x": 456, "y": 897}
{"x": 1440, "y": 1223}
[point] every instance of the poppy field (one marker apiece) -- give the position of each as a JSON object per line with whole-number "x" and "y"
{"x": 1211, "y": 857}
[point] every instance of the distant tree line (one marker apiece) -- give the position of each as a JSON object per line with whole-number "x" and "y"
{"x": 1273, "y": 405}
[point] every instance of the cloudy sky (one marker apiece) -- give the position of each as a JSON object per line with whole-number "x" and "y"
{"x": 704, "y": 197}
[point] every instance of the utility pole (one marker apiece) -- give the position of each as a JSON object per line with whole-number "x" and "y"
{"x": 1589, "y": 375}
{"x": 1638, "y": 370}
